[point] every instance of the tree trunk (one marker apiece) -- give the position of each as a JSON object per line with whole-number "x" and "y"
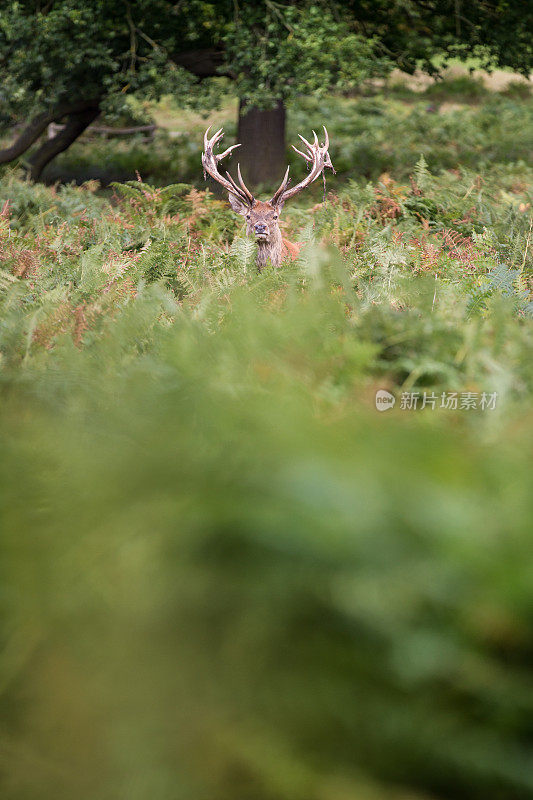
{"x": 76, "y": 124}
{"x": 262, "y": 135}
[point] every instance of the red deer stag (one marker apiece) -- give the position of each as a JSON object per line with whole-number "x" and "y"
{"x": 262, "y": 219}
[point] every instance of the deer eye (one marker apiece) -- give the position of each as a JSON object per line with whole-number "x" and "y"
{"x": 248, "y": 216}
{"x": 275, "y": 216}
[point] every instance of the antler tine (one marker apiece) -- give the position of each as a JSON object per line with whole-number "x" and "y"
{"x": 244, "y": 188}
{"x": 235, "y": 187}
{"x": 210, "y": 165}
{"x": 319, "y": 158}
{"x": 307, "y": 158}
{"x": 214, "y": 139}
{"x": 304, "y": 140}
{"x": 283, "y": 185}
{"x": 227, "y": 152}
{"x": 327, "y": 159}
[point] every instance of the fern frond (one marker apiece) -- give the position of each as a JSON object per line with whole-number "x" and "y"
{"x": 422, "y": 174}
{"x": 243, "y": 249}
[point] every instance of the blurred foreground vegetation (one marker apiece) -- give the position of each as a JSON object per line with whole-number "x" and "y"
{"x": 225, "y": 575}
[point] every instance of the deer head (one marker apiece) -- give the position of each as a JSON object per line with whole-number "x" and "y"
{"x": 262, "y": 218}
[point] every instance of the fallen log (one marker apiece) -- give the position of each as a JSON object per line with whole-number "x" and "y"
{"x": 106, "y": 130}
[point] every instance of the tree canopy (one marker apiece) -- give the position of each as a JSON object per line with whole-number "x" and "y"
{"x": 70, "y": 59}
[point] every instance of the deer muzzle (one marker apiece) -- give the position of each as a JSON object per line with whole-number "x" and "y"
{"x": 260, "y": 230}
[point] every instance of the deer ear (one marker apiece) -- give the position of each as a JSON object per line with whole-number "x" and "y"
{"x": 237, "y": 205}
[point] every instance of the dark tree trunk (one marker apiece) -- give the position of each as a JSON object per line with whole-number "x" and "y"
{"x": 76, "y": 124}
{"x": 262, "y": 135}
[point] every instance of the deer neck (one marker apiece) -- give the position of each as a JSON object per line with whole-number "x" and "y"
{"x": 269, "y": 250}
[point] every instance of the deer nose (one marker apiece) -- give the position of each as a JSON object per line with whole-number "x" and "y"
{"x": 260, "y": 227}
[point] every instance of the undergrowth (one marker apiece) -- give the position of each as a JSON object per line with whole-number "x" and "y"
{"x": 225, "y": 574}
{"x": 430, "y": 255}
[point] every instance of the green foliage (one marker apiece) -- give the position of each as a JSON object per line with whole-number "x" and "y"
{"x": 518, "y": 89}
{"x": 225, "y": 575}
{"x": 371, "y": 135}
{"x": 462, "y": 88}
{"x": 100, "y": 50}
{"x": 281, "y": 51}
{"x": 74, "y": 50}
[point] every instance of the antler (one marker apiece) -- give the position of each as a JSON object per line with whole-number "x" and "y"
{"x": 210, "y": 163}
{"x": 319, "y": 158}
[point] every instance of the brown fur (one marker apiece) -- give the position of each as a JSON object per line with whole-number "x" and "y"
{"x": 290, "y": 250}
{"x": 270, "y": 244}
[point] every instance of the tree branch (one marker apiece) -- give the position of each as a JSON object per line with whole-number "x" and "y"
{"x": 202, "y": 63}
{"x": 76, "y": 124}
{"x": 38, "y": 125}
